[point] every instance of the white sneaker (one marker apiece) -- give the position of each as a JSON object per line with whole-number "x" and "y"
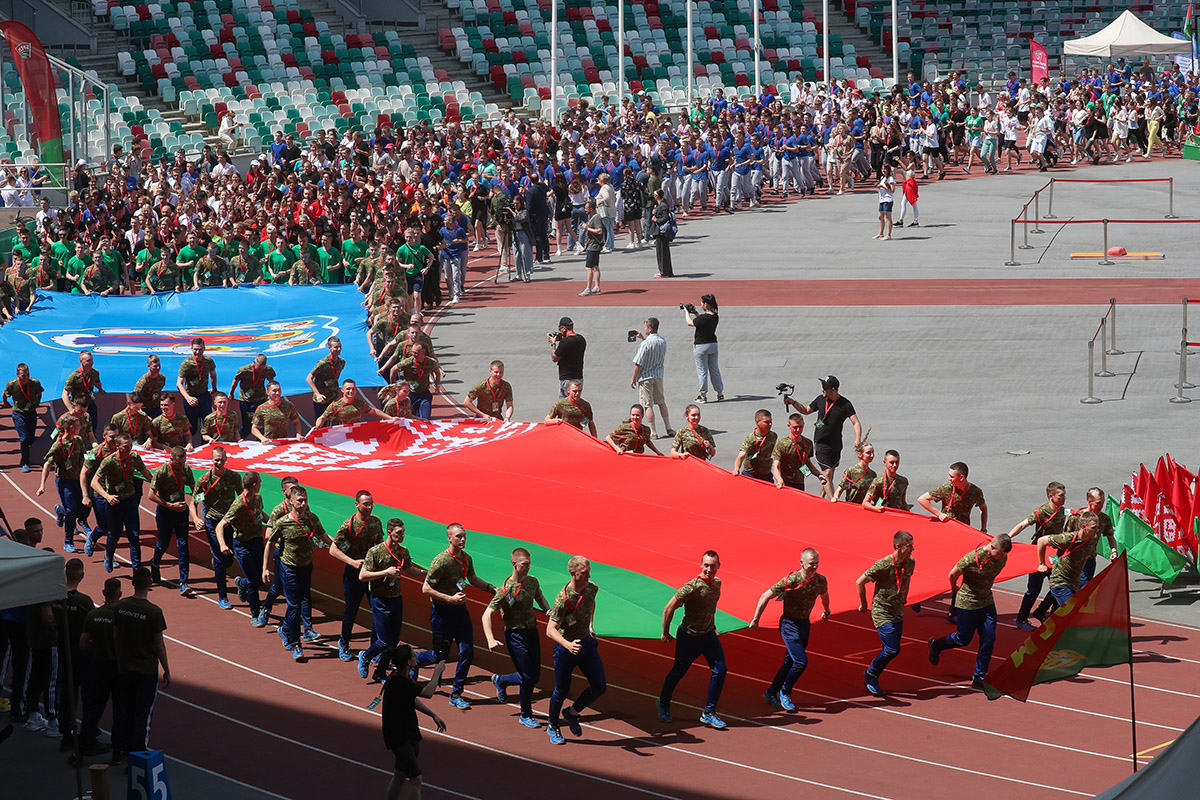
{"x": 606, "y": 250}
{"x": 36, "y": 722}
{"x": 453, "y": 301}
{"x": 475, "y": 249}
{"x": 558, "y": 252}
{"x": 1128, "y": 158}
{"x": 1074, "y": 161}
{"x": 586, "y": 293}
{"x": 630, "y": 246}
{"x": 1115, "y": 157}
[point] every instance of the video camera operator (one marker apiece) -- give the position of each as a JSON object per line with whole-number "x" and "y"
{"x": 832, "y": 411}
{"x": 705, "y": 345}
{"x": 566, "y": 350}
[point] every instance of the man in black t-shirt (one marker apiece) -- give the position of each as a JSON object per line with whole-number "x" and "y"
{"x": 832, "y": 411}
{"x": 401, "y": 734}
{"x": 567, "y": 351}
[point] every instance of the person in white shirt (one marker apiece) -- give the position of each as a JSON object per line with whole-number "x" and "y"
{"x": 887, "y": 194}
{"x": 228, "y": 130}
{"x": 1079, "y": 117}
{"x": 797, "y": 89}
{"x": 1118, "y": 118}
{"x": 1008, "y": 130}
{"x": 1039, "y": 133}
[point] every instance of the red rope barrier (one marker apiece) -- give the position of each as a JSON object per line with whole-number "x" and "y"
{"x": 1095, "y": 221}
{"x": 1110, "y": 180}
{"x": 1189, "y": 344}
{"x": 1192, "y": 299}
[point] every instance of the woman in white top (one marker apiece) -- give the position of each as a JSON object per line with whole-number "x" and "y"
{"x": 887, "y": 193}
{"x": 606, "y": 207}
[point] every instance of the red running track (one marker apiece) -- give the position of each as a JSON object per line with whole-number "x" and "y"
{"x": 238, "y": 703}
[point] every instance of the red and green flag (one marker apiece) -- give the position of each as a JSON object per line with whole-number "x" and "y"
{"x": 1147, "y": 554}
{"x": 41, "y": 90}
{"x": 1189, "y": 33}
{"x": 1091, "y": 630}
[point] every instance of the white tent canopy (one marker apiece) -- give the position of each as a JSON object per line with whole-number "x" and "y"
{"x": 1126, "y": 36}
{"x": 29, "y": 575}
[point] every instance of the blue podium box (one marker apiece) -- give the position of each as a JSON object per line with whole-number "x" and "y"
{"x": 148, "y": 776}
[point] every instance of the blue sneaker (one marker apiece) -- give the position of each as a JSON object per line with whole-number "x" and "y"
{"x": 772, "y": 698}
{"x": 572, "y": 719}
{"x": 712, "y": 720}
{"x": 283, "y": 637}
{"x": 223, "y": 602}
{"x": 363, "y": 666}
{"x": 85, "y": 530}
{"x": 555, "y": 736}
{"x": 310, "y": 635}
{"x": 69, "y": 547}
{"x": 935, "y": 655}
{"x": 501, "y": 695}
{"x": 344, "y": 652}
{"x": 529, "y": 722}
{"x": 457, "y": 701}
{"x": 297, "y": 653}
{"x": 243, "y": 587}
{"x": 258, "y": 620}
{"x": 786, "y": 703}
{"x": 89, "y": 542}
{"x": 185, "y": 590}
{"x": 664, "y": 711}
{"x": 60, "y": 514}
{"x": 108, "y": 564}
{"x": 1025, "y": 625}
{"x": 871, "y": 682}
{"x": 24, "y": 468}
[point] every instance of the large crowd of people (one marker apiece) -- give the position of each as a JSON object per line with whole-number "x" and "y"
{"x": 399, "y": 214}
{"x": 427, "y": 199}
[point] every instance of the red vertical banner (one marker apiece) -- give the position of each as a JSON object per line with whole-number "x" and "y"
{"x": 1039, "y": 65}
{"x": 41, "y": 92}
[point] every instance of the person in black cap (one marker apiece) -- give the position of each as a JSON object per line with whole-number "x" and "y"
{"x": 566, "y": 350}
{"x": 832, "y": 411}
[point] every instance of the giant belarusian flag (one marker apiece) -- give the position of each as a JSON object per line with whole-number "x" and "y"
{"x": 643, "y": 521}
{"x": 1091, "y": 630}
{"x": 290, "y": 324}
{"x": 41, "y": 91}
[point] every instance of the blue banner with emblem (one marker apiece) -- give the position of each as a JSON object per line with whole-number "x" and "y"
{"x": 290, "y": 324}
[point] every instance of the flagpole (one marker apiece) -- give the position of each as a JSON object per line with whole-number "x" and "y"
{"x": 1132, "y": 703}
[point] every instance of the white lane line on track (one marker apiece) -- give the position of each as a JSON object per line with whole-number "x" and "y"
{"x": 753, "y": 722}
{"x": 305, "y": 745}
{"x": 467, "y": 742}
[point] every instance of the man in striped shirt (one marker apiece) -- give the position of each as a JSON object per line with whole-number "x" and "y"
{"x": 648, "y": 374}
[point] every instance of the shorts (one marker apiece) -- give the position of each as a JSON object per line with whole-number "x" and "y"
{"x": 1022, "y": 116}
{"x": 406, "y": 759}
{"x": 1077, "y": 136}
{"x": 886, "y": 208}
{"x": 1037, "y": 146}
{"x": 650, "y": 392}
{"x": 975, "y": 141}
{"x": 827, "y": 457}
{"x": 415, "y": 282}
{"x": 591, "y": 259}
{"x": 1008, "y": 144}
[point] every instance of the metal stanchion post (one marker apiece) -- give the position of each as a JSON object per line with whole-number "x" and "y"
{"x": 1025, "y": 234}
{"x": 1104, "y": 371}
{"x": 1183, "y": 374}
{"x": 1104, "y": 255}
{"x": 1112, "y": 331}
{"x": 1183, "y": 382}
{"x": 1037, "y": 217}
{"x": 1012, "y": 246}
{"x": 1050, "y": 204}
{"x": 1184, "y": 348}
{"x": 1091, "y": 398}
{"x": 1170, "y": 199}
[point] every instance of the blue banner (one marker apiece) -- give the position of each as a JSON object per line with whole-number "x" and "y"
{"x": 290, "y": 324}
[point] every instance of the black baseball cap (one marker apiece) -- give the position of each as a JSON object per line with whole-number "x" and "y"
{"x": 830, "y": 382}
{"x": 565, "y": 322}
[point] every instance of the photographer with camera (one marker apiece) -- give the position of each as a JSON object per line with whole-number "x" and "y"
{"x": 648, "y": 374}
{"x": 566, "y": 350}
{"x": 705, "y": 345}
{"x": 832, "y": 411}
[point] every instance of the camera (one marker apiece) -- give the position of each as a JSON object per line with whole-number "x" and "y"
{"x": 787, "y": 390}
{"x": 555, "y": 336}
{"x": 691, "y": 309}
{"x": 633, "y": 335}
